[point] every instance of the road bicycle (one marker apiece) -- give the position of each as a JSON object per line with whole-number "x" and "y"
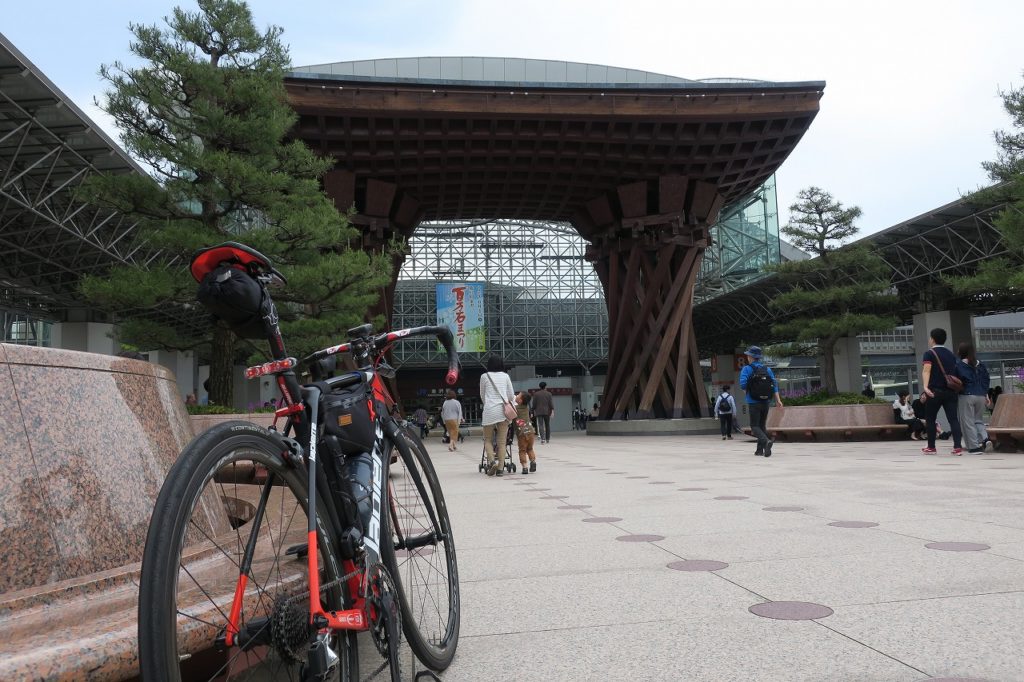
{"x": 268, "y": 551}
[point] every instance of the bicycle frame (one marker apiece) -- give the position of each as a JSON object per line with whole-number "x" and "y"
{"x": 386, "y": 431}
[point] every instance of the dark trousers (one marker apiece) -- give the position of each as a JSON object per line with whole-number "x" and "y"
{"x": 913, "y": 425}
{"x": 758, "y": 422}
{"x": 726, "y": 420}
{"x": 946, "y": 400}
{"x": 544, "y": 426}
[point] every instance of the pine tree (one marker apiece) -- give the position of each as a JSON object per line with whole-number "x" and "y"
{"x": 1004, "y": 275}
{"x": 840, "y": 292}
{"x": 206, "y": 114}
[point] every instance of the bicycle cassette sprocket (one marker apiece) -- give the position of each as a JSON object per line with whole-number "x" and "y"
{"x": 290, "y": 630}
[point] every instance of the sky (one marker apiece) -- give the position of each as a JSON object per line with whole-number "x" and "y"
{"x": 910, "y": 104}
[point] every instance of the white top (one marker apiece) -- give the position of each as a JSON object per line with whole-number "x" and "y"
{"x": 451, "y": 409}
{"x": 906, "y": 409}
{"x": 727, "y": 397}
{"x": 492, "y": 400}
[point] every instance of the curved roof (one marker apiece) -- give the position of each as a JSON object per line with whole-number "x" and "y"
{"x": 494, "y": 70}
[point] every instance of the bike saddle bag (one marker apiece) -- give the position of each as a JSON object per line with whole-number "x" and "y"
{"x": 233, "y": 296}
{"x": 347, "y": 409}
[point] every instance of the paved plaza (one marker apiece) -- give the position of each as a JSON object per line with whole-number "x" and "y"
{"x": 645, "y": 559}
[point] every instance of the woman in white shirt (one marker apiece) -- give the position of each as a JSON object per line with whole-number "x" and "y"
{"x": 495, "y": 391}
{"x": 906, "y": 415}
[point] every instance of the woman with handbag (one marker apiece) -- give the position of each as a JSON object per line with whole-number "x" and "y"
{"x": 941, "y": 389}
{"x": 496, "y": 394}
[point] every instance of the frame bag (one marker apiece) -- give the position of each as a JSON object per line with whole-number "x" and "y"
{"x": 347, "y": 415}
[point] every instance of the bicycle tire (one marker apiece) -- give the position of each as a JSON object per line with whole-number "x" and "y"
{"x": 175, "y": 625}
{"x": 409, "y": 505}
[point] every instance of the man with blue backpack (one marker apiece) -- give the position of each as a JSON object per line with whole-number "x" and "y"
{"x": 758, "y": 380}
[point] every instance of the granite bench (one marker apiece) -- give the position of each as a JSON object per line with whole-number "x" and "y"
{"x": 872, "y": 421}
{"x": 1006, "y": 428}
{"x": 88, "y": 442}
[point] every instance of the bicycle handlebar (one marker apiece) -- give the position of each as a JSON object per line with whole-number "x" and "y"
{"x": 377, "y": 344}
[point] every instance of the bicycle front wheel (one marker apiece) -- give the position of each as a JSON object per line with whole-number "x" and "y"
{"x": 419, "y": 553}
{"x": 231, "y": 490}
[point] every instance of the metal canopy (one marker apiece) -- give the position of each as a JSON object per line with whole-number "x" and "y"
{"x": 50, "y": 238}
{"x": 948, "y": 241}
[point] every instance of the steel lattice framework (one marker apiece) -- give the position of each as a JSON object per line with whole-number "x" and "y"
{"x": 544, "y": 302}
{"x": 50, "y": 235}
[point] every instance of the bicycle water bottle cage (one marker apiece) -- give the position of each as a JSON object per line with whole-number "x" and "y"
{"x": 234, "y": 254}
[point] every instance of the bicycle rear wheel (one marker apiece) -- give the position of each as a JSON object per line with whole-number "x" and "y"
{"x": 419, "y": 553}
{"x": 205, "y": 517}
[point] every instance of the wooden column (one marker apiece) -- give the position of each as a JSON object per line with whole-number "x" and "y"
{"x": 648, "y": 264}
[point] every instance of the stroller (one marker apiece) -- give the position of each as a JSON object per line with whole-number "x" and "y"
{"x": 510, "y": 466}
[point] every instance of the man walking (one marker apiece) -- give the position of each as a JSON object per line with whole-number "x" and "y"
{"x": 758, "y": 380}
{"x": 725, "y": 408}
{"x": 544, "y": 408}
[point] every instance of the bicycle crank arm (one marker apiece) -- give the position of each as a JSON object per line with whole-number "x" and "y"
{"x": 391, "y": 623}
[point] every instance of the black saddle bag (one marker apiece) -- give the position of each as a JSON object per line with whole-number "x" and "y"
{"x": 233, "y": 296}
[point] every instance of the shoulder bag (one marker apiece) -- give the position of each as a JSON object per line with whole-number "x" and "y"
{"x": 506, "y": 406}
{"x": 953, "y": 382}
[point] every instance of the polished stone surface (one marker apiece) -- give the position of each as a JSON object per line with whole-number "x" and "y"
{"x": 88, "y": 440}
{"x": 87, "y": 448}
{"x": 791, "y": 610}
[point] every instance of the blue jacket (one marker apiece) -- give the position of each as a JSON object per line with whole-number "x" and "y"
{"x": 976, "y": 379}
{"x": 745, "y": 375}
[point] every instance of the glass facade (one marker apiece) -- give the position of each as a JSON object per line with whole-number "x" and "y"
{"x": 744, "y": 241}
{"x": 544, "y": 302}
{"x": 26, "y": 330}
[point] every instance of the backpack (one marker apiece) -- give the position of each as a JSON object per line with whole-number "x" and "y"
{"x": 724, "y": 406}
{"x": 760, "y": 386}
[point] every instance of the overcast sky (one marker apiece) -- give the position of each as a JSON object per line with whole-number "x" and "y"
{"x": 911, "y": 101}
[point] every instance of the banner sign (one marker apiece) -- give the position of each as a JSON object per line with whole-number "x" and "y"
{"x": 460, "y": 307}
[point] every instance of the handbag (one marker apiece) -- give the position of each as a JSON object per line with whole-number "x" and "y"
{"x": 508, "y": 408}
{"x": 953, "y": 382}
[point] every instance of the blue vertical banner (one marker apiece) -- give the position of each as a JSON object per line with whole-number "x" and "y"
{"x": 460, "y": 306}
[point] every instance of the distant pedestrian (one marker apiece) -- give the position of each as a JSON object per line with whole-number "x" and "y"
{"x": 524, "y": 434}
{"x": 972, "y": 402}
{"x": 451, "y": 413}
{"x": 543, "y": 405}
{"x": 725, "y": 410}
{"x": 937, "y": 363}
{"x": 904, "y": 413}
{"x": 495, "y": 392}
{"x": 190, "y": 399}
{"x": 758, "y": 380}
{"x": 420, "y": 417}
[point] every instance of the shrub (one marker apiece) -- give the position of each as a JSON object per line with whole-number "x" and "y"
{"x": 822, "y": 398}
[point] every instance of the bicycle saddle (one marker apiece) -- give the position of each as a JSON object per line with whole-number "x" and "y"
{"x": 235, "y": 254}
